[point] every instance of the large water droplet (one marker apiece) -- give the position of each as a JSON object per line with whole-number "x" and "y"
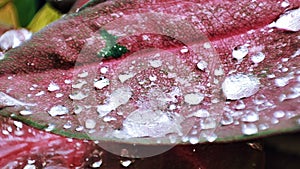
{"x": 239, "y": 86}
{"x": 290, "y": 21}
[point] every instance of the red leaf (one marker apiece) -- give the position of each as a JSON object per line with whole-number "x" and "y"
{"x": 169, "y": 41}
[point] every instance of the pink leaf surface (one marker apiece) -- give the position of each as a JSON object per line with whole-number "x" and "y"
{"x": 57, "y": 78}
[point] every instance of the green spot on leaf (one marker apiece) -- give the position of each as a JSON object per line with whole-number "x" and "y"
{"x": 112, "y": 48}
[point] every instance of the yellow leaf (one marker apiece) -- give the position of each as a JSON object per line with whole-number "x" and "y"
{"x": 8, "y": 14}
{"x": 43, "y": 17}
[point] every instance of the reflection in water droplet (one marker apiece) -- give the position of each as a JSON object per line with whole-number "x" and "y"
{"x": 250, "y": 116}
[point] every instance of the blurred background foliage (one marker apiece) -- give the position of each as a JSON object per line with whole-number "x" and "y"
{"x": 32, "y": 14}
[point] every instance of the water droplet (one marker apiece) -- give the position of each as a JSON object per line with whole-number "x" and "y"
{"x": 124, "y": 77}
{"x": 40, "y": 93}
{"x": 240, "y": 105}
{"x": 279, "y": 114}
{"x": 263, "y": 126}
{"x": 79, "y": 84}
{"x": 206, "y": 45}
{"x": 104, "y": 70}
{"x": 258, "y": 57}
{"x": 219, "y": 72}
{"x": 97, "y": 164}
{"x": 249, "y": 129}
{"x": 50, "y": 127}
{"x": 200, "y": 113}
{"x": 285, "y": 4}
{"x": 78, "y": 109}
{"x": 283, "y": 81}
{"x": 211, "y": 137}
{"x": 25, "y": 112}
{"x": 100, "y": 84}
{"x": 184, "y": 50}
{"x": 29, "y": 166}
{"x": 226, "y": 120}
{"x": 18, "y": 124}
{"x": 68, "y": 81}
{"x": 202, "y": 65}
{"x": 239, "y": 86}
{"x": 194, "y": 140}
{"x": 90, "y": 124}
{"x": 67, "y": 125}
{"x": 78, "y": 96}
{"x": 125, "y": 163}
{"x": 58, "y": 110}
{"x": 289, "y": 21}
{"x": 155, "y": 63}
{"x": 250, "y": 116}
{"x": 53, "y": 87}
{"x": 240, "y": 52}
{"x": 109, "y": 118}
{"x": 152, "y": 78}
{"x": 208, "y": 123}
{"x": 83, "y": 74}
{"x": 58, "y": 95}
{"x": 193, "y": 98}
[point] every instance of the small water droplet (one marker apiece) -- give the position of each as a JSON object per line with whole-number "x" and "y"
{"x": 29, "y": 166}
{"x": 206, "y": 45}
{"x": 155, "y": 63}
{"x": 193, "y": 98}
{"x": 124, "y": 77}
{"x": 263, "y": 126}
{"x": 240, "y": 105}
{"x": 258, "y": 57}
{"x": 250, "y": 116}
{"x": 90, "y": 124}
{"x": 18, "y": 124}
{"x": 279, "y": 114}
{"x": 202, "y": 65}
{"x": 125, "y": 163}
{"x": 239, "y": 86}
{"x": 285, "y": 4}
{"x": 83, "y": 74}
{"x": 50, "y": 127}
{"x": 40, "y": 93}
{"x": 25, "y": 112}
{"x": 226, "y": 120}
{"x": 208, "y": 123}
{"x": 184, "y": 50}
{"x": 199, "y": 113}
{"x": 97, "y": 164}
{"x": 194, "y": 140}
{"x": 240, "y": 52}
{"x": 58, "y": 110}
{"x": 211, "y": 137}
{"x": 100, "y": 84}
{"x": 68, "y": 125}
{"x": 283, "y": 81}
{"x": 249, "y": 129}
{"x": 53, "y": 87}
{"x": 78, "y": 96}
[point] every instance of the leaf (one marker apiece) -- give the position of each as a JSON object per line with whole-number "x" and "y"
{"x": 43, "y": 17}
{"x": 23, "y": 146}
{"x": 170, "y": 88}
{"x": 8, "y": 14}
{"x": 25, "y": 10}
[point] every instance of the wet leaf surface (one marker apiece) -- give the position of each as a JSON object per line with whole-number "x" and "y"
{"x": 23, "y": 146}
{"x": 58, "y": 78}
